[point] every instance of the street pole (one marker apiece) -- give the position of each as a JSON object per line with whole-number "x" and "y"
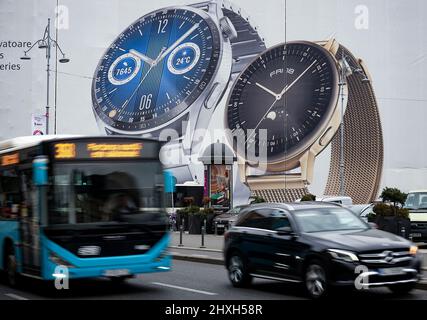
{"x": 48, "y": 75}
{"x": 203, "y": 234}
{"x": 181, "y": 231}
{"x": 46, "y": 43}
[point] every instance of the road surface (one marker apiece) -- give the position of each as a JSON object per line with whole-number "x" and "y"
{"x": 187, "y": 281}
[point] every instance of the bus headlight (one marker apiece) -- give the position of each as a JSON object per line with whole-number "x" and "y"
{"x": 59, "y": 261}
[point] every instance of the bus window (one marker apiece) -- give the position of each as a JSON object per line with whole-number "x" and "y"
{"x": 10, "y": 195}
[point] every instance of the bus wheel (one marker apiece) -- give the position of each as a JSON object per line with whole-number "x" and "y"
{"x": 11, "y": 269}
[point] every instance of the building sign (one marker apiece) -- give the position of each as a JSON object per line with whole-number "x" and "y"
{"x": 38, "y": 125}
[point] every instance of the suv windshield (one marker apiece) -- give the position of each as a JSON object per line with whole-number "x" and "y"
{"x": 235, "y": 211}
{"x": 105, "y": 192}
{"x": 328, "y": 219}
{"x": 416, "y": 201}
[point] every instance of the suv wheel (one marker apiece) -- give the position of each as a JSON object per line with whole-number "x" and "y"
{"x": 402, "y": 289}
{"x": 315, "y": 280}
{"x": 237, "y": 271}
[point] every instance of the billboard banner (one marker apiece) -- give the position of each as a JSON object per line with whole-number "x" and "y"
{"x": 313, "y": 97}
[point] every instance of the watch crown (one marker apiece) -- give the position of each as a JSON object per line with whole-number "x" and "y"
{"x": 227, "y": 28}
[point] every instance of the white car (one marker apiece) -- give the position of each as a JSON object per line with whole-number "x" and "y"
{"x": 416, "y": 203}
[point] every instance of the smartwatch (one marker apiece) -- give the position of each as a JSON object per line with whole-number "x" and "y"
{"x": 292, "y": 91}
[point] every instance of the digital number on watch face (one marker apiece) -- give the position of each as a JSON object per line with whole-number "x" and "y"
{"x": 290, "y": 91}
{"x": 155, "y": 69}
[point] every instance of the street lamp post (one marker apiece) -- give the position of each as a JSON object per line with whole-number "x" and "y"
{"x": 47, "y": 42}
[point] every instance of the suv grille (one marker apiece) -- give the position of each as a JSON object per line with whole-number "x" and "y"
{"x": 398, "y": 257}
{"x": 222, "y": 221}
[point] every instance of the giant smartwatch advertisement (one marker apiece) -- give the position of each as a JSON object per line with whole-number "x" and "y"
{"x": 179, "y": 150}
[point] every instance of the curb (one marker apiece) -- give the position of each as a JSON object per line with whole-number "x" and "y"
{"x": 198, "y": 259}
{"x": 195, "y": 249}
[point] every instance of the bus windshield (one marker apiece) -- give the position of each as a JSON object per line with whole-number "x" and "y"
{"x": 107, "y": 192}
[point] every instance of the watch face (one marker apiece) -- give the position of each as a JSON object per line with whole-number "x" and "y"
{"x": 291, "y": 91}
{"x": 155, "y": 69}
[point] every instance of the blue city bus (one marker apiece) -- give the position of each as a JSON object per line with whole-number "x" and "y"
{"x": 90, "y": 205}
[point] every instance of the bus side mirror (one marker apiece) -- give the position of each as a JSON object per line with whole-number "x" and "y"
{"x": 170, "y": 182}
{"x": 40, "y": 171}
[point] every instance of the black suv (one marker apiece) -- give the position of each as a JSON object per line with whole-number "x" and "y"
{"x": 317, "y": 244}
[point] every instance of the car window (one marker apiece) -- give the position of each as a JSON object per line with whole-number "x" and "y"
{"x": 367, "y": 211}
{"x": 258, "y": 218}
{"x": 279, "y": 222}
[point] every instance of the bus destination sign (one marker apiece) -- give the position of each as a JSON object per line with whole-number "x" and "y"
{"x": 97, "y": 150}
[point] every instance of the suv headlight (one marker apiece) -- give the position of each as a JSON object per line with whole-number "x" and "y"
{"x": 343, "y": 255}
{"x": 413, "y": 250}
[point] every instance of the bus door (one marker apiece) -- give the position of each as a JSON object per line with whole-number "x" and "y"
{"x": 29, "y": 223}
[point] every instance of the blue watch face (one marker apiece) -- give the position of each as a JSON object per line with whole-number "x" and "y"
{"x": 155, "y": 69}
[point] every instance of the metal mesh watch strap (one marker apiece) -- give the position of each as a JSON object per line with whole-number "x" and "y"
{"x": 248, "y": 43}
{"x": 363, "y": 139}
{"x": 280, "y": 195}
{"x": 277, "y": 188}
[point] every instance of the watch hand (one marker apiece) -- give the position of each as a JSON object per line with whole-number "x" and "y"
{"x": 176, "y": 43}
{"x": 285, "y": 89}
{"x": 267, "y": 90}
{"x": 279, "y": 97}
{"x": 263, "y": 117}
{"x": 138, "y": 86}
{"x": 141, "y": 56}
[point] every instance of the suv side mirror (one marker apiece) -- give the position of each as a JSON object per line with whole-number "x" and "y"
{"x": 285, "y": 231}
